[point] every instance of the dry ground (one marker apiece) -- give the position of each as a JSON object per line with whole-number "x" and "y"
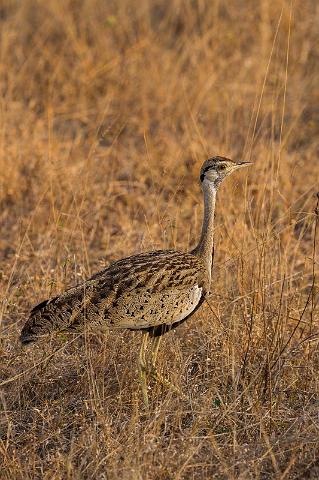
{"x": 108, "y": 109}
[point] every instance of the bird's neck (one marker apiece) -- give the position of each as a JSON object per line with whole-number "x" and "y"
{"x": 205, "y": 246}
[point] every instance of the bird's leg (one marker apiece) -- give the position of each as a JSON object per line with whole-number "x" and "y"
{"x": 154, "y": 372}
{"x": 154, "y": 349}
{"x": 143, "y": 368}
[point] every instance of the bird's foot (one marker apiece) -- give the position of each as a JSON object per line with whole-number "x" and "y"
{"x": 164, "y": 381}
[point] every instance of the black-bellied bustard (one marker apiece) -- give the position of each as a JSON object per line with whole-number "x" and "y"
{"x": 153, "y": 292}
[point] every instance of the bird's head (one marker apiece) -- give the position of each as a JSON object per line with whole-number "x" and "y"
{"x": 215, "y": 169}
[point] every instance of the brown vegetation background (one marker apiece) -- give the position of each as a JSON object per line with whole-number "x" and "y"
{"x": 108, "y": 109}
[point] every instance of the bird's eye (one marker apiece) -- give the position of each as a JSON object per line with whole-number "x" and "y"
{"x": 222, "y": 167}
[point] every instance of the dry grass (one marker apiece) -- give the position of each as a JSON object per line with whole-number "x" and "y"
{"x": 107, "y": 111}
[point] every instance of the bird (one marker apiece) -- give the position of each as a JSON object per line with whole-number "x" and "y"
{"x": 153, "y": 292}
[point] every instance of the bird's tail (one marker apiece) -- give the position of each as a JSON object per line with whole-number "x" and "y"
{"x": 43, "y": 320}
{"x": 69, "y": 311}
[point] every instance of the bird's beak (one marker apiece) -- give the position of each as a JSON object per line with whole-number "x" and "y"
{"x": 242, "y": 164}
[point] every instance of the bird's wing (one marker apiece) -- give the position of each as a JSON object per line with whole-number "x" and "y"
{"x": 156, "y": 290}
{"x": 147, "y": 310}
{"x": 171, "y": 281}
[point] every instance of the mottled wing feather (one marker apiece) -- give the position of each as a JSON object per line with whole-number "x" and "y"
{"x": 141, "y": 291}
{"x": 153, "y": 309}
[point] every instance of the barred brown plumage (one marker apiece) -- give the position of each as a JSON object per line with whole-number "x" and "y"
{"x": 152, "y": 292}
{"x": 133, "y": 293}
